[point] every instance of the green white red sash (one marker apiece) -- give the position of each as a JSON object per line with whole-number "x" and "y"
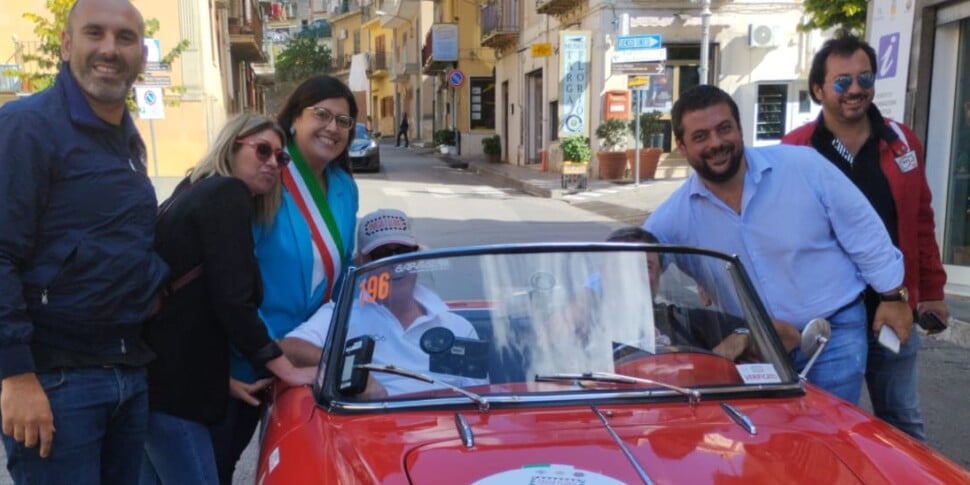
{"x": 312, "y": 202}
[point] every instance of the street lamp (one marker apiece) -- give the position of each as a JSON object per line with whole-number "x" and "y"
{"x": 415, "y": 84}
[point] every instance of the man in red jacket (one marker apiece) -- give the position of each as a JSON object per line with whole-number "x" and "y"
{"x": 885, "y": 160}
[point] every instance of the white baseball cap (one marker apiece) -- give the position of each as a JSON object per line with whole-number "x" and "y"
{"x": 384, "y": 226}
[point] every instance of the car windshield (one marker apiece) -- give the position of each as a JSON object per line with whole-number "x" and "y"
{"x": 361, "y": 132}
{"x": 533, "y": 321}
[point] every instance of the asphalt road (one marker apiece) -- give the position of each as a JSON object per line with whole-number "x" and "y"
{"x": 454, "y": 207}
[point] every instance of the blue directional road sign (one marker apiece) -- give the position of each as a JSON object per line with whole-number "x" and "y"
{"x": 636, "y": 42}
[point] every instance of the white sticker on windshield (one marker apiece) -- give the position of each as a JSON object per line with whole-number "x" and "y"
{"x": 758, "y": 374}
{"x": 422, "y": 266}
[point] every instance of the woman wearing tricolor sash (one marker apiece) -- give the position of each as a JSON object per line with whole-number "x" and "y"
{"x": 304, "y": 252}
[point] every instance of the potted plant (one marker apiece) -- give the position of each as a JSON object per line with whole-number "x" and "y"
{"x": 612, "y": 159}
{"x": 575, "y": 155}
{"x": 444, "y": 139}
{"x": 651, "y": 143}
{"x": 492, "y": 148}
{"x": 575, "y": 149}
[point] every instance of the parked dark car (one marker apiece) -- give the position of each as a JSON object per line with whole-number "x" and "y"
{"x": 365, "y": 154}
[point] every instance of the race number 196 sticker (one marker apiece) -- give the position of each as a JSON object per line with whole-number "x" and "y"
{"x": 758, "y": 374}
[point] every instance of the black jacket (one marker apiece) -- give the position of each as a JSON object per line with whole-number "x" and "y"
{"x": 210, "y": 223}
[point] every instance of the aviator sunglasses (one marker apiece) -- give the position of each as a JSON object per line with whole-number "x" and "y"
{"x": 842, "y": 83}
{"x": 264, "y": 150}
{"x": 325, "y": 115}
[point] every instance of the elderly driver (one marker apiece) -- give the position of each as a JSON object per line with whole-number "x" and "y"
{"x": 396, "y": 323}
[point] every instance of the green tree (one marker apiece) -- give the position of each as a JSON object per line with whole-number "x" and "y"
{"x": 845, "y": 14}
{"x": 47, "y": 57}
{"x": 302, "y": 57}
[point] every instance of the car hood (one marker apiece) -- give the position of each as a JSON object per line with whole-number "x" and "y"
{"x": 359, "y": 144}
{"x": 707, "y": 453}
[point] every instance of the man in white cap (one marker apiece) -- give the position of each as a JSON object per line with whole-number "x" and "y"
{"x": 397, "y": 322}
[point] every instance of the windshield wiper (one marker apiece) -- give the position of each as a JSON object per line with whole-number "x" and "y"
{"x": 390, "y": 369}
{"x": 693, "y": 395}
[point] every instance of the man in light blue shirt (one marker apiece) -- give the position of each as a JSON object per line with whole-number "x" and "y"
{"x": 807, "y": 237}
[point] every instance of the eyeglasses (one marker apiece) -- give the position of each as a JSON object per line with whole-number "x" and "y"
{"x": 389, "y": 250}
{"x": 325, "y": 116}
{"x": 264, "y": 150}
{"x": 842, "y": 83}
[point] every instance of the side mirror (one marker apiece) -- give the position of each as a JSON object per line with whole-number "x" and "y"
{"x": 814, "y": 338}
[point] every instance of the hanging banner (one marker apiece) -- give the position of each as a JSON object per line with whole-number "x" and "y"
{"x": 574, "y": 47}
{"x": 890, "y": 33}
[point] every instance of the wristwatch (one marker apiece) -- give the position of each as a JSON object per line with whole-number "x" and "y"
{"x": 899, "y": 294}
{"x": 747, "y": 333}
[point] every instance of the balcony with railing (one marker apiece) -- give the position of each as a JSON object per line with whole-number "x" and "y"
{"x": 246, "y": 33}
{"x": 377, "y": 65}
{"x": 340, "y": 63}
{"x": 556, "y": 7}
{"x": 500, "y": 27}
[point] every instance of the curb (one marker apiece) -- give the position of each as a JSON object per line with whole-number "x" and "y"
{"x": 957, "y": 333}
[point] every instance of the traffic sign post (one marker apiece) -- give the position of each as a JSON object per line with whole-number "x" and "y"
{"x": 456, "y": 78}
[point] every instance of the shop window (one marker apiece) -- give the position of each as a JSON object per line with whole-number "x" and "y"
{"x": 956, "y": 243}
{"x": 772, "y": 99}
{"x": 482, "y": 103}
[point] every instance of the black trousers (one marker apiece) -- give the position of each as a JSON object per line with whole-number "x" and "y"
{"x": 403, "y": 132}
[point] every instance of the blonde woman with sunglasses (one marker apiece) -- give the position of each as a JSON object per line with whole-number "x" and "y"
{"x": 305, "y": 248}
{"x": 204, "y": 232}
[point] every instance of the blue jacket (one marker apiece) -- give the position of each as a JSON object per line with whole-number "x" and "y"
{"x": 285, "y": 255}
{"x": 77, "y": 268}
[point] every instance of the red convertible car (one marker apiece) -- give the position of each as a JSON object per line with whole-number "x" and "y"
{"x": 571, "y": 364}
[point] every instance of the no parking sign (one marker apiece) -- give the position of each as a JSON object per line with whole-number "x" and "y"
{"x": 151, "y": 105}
{"x": 456, "y": 78}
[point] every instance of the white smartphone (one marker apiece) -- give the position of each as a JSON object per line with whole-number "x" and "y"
{"x": 889, "y": 339}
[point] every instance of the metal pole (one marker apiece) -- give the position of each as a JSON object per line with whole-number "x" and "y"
{"x": 454, "y": 118}
{"x": 151, "y": 131}
{"x": 418, "y": 112}
{"x": 705, "y": 40}
{"x": 636, "y": 136}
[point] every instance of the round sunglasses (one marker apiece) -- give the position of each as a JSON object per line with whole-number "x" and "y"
{"x": 264, "y": 150}
{"x": 842, "y": 83}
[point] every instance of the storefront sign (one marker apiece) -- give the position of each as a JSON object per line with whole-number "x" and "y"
{"x": 574, "y": 47}
{"x": 543, "y": 49}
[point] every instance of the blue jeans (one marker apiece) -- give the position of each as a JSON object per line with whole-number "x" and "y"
{"x": 891, "y": 380}
{"x": 100, "y": 418}
{"x": 232, "y": 435}
{"x": 841, "y": 366}
{"x": 177, "y": 451}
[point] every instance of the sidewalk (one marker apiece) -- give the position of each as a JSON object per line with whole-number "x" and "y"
{"x": 631, "y": 204}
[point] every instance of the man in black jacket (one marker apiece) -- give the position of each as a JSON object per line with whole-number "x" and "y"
{"x": 78, "y": 275}
{"x": 402, "y": 130}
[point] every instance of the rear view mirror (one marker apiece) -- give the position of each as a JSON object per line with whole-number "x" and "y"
{"x": 814, "y": 337}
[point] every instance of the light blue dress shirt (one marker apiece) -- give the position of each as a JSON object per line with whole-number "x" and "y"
{"x": 807, "y": 237}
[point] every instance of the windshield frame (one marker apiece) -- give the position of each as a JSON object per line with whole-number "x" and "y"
{"x": 327, "y": 396}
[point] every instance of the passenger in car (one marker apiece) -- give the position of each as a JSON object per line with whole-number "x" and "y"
{"x": 396, "y": 322}
{"x": 724, "y": 334}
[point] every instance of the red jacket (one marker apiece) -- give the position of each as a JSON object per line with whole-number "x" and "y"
{"x": 924, "y": 276}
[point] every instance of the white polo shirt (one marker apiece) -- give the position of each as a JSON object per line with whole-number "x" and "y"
{"x": 392, "y": 344}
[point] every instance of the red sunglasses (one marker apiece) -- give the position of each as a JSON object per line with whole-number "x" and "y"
{"x": 264, "y": 150}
